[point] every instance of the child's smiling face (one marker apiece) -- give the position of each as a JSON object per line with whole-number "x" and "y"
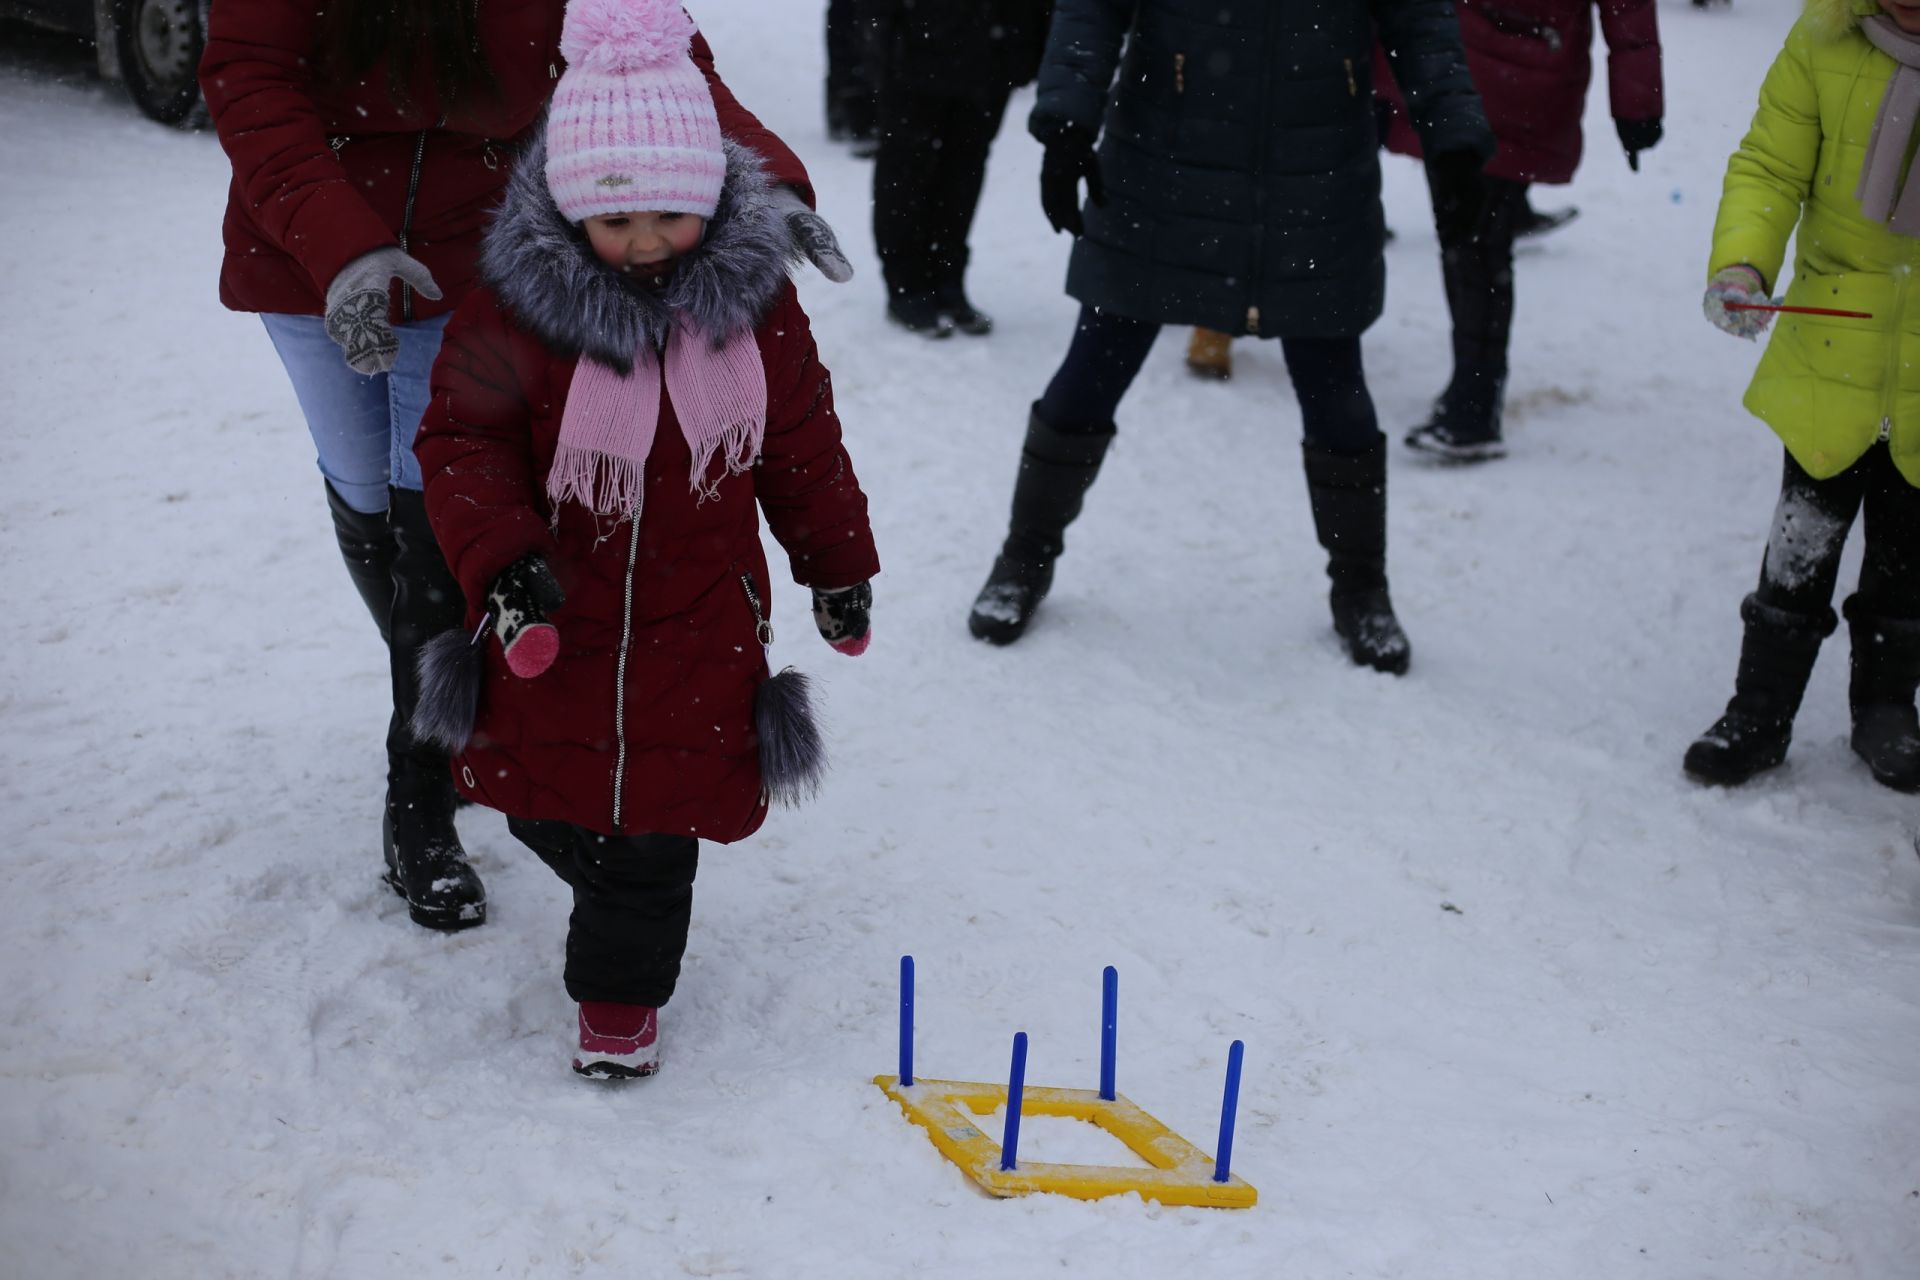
{"x": 1905, "y": 14}
{"x": 643, "y": 241}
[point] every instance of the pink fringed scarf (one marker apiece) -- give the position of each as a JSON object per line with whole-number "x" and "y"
{"x": 719, "y": 395}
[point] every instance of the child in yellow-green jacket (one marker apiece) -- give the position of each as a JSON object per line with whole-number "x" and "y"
{"x": 1828, "y": 151}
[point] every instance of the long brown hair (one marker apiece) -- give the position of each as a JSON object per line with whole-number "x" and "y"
{"x": 404, "y": 34}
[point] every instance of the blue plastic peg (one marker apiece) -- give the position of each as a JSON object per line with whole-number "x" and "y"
{"x": 1016, "y": 1085}
{"x": 1109, "y": 1028}
{"x": 906, "y": 1020}
{"x": 1228, "y": 1105}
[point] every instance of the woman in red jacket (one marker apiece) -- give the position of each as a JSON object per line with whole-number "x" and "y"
{"x": 1530, "y": 62}
{"x": 633, "y": 382}
{"x": 370, "y": 142}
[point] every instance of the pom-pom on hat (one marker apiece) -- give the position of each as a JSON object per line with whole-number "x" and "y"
{"x": 632, "y": 126}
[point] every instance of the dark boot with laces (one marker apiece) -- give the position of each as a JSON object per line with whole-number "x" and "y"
{"x": 1885, "y": 673}
{"x": 1348, "y": 492}
{"x": 1056, "y": 470}
{"x": 1776, "y": 659}
{"x": 425, "y": 862}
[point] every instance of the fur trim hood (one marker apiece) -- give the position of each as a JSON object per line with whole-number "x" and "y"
{"x": 545, "y": 271}
{"x": 1835, "y": 18}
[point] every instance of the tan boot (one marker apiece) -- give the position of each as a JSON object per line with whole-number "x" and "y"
{"x": 1210, "y": 354}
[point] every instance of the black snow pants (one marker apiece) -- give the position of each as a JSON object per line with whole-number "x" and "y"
{"x": 1810, "y": 525}
{"x": 632, "y": 906}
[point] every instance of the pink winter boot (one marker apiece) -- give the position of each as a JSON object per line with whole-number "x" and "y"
{"x": 618, "y": 1041}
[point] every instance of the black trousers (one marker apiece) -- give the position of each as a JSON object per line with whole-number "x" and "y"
{"x": 1336, "y": 410}
{"x": 632, "y": 905}
{"x": 1479, "y": 281}
{"x": 849, "y": 89}
{"x": 927, "y": 175}
{"x": 1810, "y": 526}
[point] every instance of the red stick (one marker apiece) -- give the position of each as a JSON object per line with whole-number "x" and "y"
{"x": 1799, "y": 311}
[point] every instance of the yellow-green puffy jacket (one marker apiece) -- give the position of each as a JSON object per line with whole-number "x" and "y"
{"x": 1829, "y": 387}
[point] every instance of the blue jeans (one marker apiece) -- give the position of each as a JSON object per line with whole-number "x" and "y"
{"x": 362, "y": 427}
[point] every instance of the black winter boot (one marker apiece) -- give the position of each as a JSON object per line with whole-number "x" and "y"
{"x": 1886, "y": 670}
{"x": 425, "y": 863}
{"x": 1056, "y": 470}
{"x": 1465, "y": 423}
{"x": 1776, "y": 658}
{"x": 1348, "y": 492}
{"x": 366, "y": 544}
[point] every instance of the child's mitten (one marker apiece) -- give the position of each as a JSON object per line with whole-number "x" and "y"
{"x": 812, "y": 235}
{"x": 845, "y": 617}
{"x": 357, "y": 306}
{"x": 522, "y": 596}
{"x": 1738, "y": 283}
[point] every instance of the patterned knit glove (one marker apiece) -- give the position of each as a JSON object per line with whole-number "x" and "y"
{"x": 812, "y": 236}
{"x": 522, "y": 596}
{"x": 1738, "y": 283}
{"x": 357, "y": 306}
{"x": 845, "y": 617}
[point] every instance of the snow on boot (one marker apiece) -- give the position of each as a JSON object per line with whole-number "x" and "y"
{"x": 617, "y": 1041}
{"x": 1370, "y": 633}
{"x": 1776, "y": 659}
{"x": 1056, "y": 470}
{"x": 1886, "y": 670}
{"x": 426, "y": 864}
{"x": 1348, "y": 492}
{"x": 1210, "y": 354}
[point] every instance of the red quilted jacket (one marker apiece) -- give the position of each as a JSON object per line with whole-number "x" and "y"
{"x": 321, "y": 176}
{"x": 1530, "y": 62}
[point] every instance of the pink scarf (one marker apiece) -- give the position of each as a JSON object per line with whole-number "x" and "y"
{"x": 719, "y": 395}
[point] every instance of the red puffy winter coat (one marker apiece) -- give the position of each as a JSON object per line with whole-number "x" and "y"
{"x": 322, "y": 175}
{"x": 1531, "y": 64}
{"x": 645, "y": 720}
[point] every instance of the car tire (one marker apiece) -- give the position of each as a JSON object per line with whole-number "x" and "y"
{"x": 158, "y": 43}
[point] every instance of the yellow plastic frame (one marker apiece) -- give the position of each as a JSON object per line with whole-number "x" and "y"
{"x": 1181, "y": 1173}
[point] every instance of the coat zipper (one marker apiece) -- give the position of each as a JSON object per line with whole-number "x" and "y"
{"x": 620, "y": 670}
{"x": 406, "y": 220}
{"x": 762, "y": 629}
{"x": 1892, "y": 387}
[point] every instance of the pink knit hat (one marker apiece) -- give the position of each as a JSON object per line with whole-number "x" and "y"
{"x": 632, "y": 126}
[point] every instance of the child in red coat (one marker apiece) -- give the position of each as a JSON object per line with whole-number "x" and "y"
{"x": 635, "y": 383}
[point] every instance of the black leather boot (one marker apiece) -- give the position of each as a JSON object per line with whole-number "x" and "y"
{"x": 1886, "y": 671}
{"x": 1348, "y": 492}
{"x": 425, "y": 863}
{"x": 1056, "y": 470}
{"x": 1776, "y": 659}
{"x": 366, "y": 544}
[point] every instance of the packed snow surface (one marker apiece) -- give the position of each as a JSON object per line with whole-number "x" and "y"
{"x": 1518, "y": 999}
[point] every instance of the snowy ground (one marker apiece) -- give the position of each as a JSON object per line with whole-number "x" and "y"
{"x": 1661, "y": 1032}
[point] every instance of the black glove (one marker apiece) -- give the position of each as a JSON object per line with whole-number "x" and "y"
{"x": 1637, "y": 136}
{"x": 1069, "y": 158}
{"x": 1459, "y": 195}
{"x": 845, "y": 617}
{"x": 522, "y": 597}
